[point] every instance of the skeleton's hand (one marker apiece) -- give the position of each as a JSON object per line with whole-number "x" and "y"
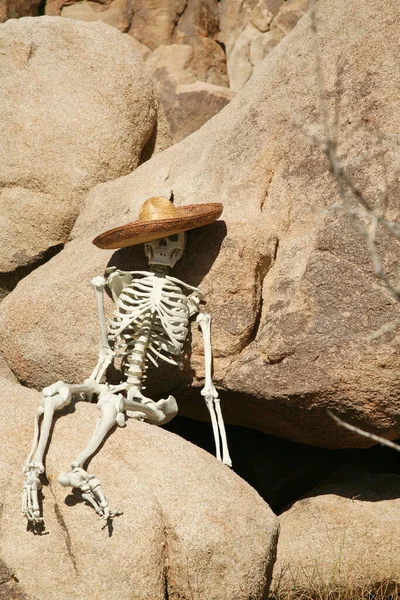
{"x": 106, "y": 357}
{"x": 31, "y": 487}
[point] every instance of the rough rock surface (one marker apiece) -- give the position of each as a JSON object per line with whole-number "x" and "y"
{"x": 117, "y": 13}
{"x": 77, "y": 109}
{"x": 290, "y": 340}
{"x": 15, "y": 9}
{"x": 163, "y": 33}
{"x": 195, "y": 104}
{"x": 342, "y": 535}
{"x": 184, "y": 64}
{"x": 198, "y": 27}
{"x": 190, "y": 529}
{"x": 159, "y": 23}
{"x": 9, "y": 586}
{"x": 250, "y": 29}
{"x": 5, "y": 371}
{"x": 193, "y": 63}
{"x": 187, "y": 101}
{"x": 154, "y": 23}
{"x": 171, "y": 65}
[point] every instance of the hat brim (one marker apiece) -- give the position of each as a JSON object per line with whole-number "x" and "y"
{"x": 140, "y": 232}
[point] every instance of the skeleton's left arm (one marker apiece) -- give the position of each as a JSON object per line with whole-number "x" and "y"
{"x": 210, "y": 394}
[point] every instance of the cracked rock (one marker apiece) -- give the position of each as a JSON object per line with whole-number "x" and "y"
{"x": 190, "y": 527}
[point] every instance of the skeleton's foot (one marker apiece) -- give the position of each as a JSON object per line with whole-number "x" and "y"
{"x": 31, "y": 487}
{"x": 91, "y": 489}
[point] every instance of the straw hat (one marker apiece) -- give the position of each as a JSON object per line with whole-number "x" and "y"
{"x": 159, "y": 218}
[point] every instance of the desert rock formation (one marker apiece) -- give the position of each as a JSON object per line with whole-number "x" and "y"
{"x": 286, "y": 277}
{"x": 227, "y": 40}
{"x": 290, "y": 286}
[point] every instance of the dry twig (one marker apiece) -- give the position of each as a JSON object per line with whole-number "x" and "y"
{"x": 371, "y": 436}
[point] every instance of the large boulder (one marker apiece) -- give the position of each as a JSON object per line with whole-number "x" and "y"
{"x": 289, "y": 284}
{"x": 343, "y": 536}
{"x": 77, "y": 109}
{"x": 190, "y": 527}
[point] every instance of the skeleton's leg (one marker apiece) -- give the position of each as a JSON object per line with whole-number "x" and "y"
{"x": 111, "y": 406}
{"x": 56, "y": 397}
{"x": 34, "y": 464}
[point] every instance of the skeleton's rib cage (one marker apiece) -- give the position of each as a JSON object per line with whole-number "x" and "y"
{"x": 150, "y": 321}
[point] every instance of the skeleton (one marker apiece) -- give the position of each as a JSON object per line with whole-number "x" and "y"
{"x": 150, "y": 322}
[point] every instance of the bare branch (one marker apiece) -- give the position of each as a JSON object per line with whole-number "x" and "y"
{"x": 371, "y": 436}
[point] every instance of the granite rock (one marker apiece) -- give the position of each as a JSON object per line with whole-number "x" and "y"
{"x": 190, "y": 527}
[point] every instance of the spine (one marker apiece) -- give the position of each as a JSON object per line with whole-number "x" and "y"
{"x": 137, "y": 356}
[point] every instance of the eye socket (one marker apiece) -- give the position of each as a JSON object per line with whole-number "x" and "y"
{"x": 173, "y": 238}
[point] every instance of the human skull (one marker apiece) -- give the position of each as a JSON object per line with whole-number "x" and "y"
{"x": 166, "y": 251}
